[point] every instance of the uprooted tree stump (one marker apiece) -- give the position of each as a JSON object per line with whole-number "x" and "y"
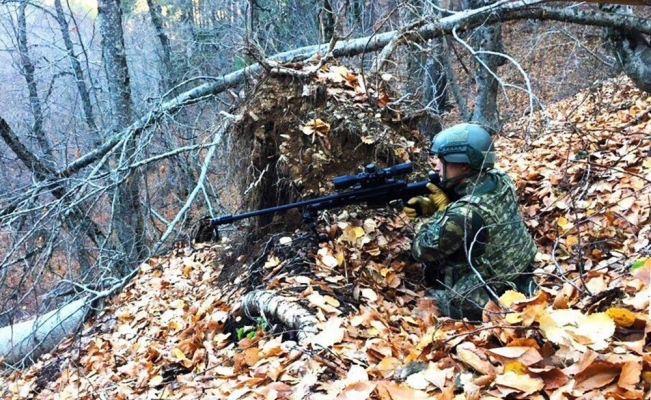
{"x": 296, "y": 135}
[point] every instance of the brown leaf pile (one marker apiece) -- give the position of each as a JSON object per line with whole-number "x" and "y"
{"x": 585, "y": 181}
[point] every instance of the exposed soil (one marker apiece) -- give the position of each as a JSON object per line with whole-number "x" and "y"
{"x": 279, "y": 163}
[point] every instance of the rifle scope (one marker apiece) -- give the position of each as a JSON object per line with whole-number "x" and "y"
{"x": 372, "y": 176}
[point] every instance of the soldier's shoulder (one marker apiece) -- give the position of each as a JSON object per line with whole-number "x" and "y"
{"x": 501, "y": 176}
{"x": 460, "y": 207}
{"x": 461, "y": 211}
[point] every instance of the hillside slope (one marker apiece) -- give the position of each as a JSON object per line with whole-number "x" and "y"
{"x": 584, "y": 171}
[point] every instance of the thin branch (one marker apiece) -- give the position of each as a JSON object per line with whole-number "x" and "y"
{"x": 197, "y": 189}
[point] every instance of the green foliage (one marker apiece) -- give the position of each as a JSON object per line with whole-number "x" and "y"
{"x": 639, "y": 264}
{"x": 250, "y": 332}
{"x": 241, "y": 333}
{"x": 262, "y": 323}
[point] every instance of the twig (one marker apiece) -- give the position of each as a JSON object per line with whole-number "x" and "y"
{"x": 198, "y": 187}
{"x": 277, "y": 69}
{"x": 456, "y": 90}
{"x": 638, "y": 119}
{"x": 403, "y": 35}
{"x": 485, "y": 328}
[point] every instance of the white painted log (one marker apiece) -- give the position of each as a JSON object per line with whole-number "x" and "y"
{"x": 269, "y": 305}
{"x": 24, "y": 342}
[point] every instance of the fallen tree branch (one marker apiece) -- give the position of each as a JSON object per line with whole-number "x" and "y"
{"x": 198, "y": 187}
{"x": 269, "y": 305}
{"x": 24, "y": 342}
{"x": 401, "y": 36}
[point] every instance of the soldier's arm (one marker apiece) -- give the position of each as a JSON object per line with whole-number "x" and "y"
{"x": 444, "y": 237}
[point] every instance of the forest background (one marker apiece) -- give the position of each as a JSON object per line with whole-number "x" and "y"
{"x": 117, "y": 116}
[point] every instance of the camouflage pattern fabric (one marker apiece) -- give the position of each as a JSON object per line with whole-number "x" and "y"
{"x": 484, "y": 228}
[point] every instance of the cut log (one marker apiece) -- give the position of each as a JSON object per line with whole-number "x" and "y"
{"x": 22, "y": 343}
{"x": 271, "y": 306}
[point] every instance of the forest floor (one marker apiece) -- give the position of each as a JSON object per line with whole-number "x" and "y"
{"x": 583, "y": 170}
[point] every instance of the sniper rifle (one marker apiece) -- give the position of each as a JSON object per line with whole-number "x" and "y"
{"x": 375, "y": 187}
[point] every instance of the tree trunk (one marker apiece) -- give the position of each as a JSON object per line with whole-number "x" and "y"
{"x": 168, "y": 73}
{"x": 486, "y": 39}
{"x": 327, "y": 21}
{"x": 127, "y": 216}
{"x": 34, "y": 100}
{"x": 631, "y": 49}
{"x": 24, "y": 342}
{"x": 74, "y": 218}
{"x": 76, "y": 68}
{"x": 269, "y": 305}
{"x": 434, "y": 77}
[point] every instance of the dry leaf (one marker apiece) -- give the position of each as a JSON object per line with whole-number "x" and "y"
{"x": 525, "y": 355}
{"x": 417, "y": 381}
{"x": 630, "y": 375}
{"x": 392, "y": 391}
{"x": 472, "y": 357}
{"x": 511, "y": 296}
{"x": 516, "y": 367}
{"x": 438, "y": 377}
{"x": 357, "y": 391}
{"x": 597, "y": 375}
{"x": 573, "y": 328}
{"x": 388, "y": 365}
{"x": 369, "y": 294}
{"x": 621, "y": 316}
{"x": 553, "y": 377}
{"x": 523, "y": 383}
{"x": 332, "y": 334}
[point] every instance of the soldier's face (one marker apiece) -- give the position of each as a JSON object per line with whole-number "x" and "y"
{"x": 450, "y": 171}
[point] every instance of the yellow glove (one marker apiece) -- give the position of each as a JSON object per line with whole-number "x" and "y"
{"x": 437, "y": 200}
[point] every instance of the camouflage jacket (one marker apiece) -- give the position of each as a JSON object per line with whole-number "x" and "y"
{"x": 483, "y": 227}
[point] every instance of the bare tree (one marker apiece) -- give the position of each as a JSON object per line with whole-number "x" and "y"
{"x": 632, "y": 50}
{"x": 128, "y": 216}
{"x": 75, "y": 64}
{"x": 28, "y": 72}
{"x": 168, "y": 72}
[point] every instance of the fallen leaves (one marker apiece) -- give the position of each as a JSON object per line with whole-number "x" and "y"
{"x": 575, "y": 329}
{"x": 166, "y": 335}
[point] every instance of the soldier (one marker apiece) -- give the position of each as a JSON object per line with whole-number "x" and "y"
{"x": 475, "y": 245}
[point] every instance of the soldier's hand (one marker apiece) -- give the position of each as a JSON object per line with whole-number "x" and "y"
{"x": 438, "y": 197}
{"x": 436, "y": 201}
{"x": 422, "y": 203}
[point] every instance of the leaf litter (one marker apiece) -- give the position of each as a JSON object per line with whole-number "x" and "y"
{"x": 584, "y": 178}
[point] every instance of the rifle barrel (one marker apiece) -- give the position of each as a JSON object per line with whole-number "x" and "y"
{"x": 391, "y": 190}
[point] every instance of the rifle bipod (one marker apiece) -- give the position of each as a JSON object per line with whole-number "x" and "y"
{"x": 310, "y": 219}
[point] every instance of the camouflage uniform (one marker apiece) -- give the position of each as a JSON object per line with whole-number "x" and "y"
{"x": 485, "y": 228}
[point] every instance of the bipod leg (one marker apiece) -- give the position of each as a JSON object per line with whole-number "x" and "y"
{"x": 310, "y": 219}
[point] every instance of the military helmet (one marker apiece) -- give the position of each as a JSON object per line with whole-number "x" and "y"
{"x": 465, "y": 144}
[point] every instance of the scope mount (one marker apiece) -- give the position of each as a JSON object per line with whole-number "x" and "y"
{"x": 372, "y": 176}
